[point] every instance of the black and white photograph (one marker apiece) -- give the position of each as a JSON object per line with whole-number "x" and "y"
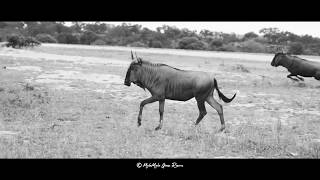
{"x": 159, "y": 90}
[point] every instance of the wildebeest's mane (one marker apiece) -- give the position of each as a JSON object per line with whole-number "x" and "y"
{"x": 295, "y": 57}
{"x": 289, "y": 55}
{"x": 157, "y": 64}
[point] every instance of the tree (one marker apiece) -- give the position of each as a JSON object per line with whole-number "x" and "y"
{"x": 250, "y": 35}
{"x": 187, "y": 33}
{"x": 205, "y": 33}
{"x": 155, "y": 44}
{"x": 228, "y": 38}
{"x": 68, "y": 38}
{"x": 170, "y": 32}
{"x": 191, "y": 43}
{"x": 98, "y": 42}
{"x": 272, "y": 34}
{"x": 35, "y": 28}
{"x": 88, "y": 37}
{"x": 97, "y": 27}
{"x": 215, "y": 44}
{"x": 295, "y": 48}
{"x": 76, "y": 27}
{"x": 46, "y": 38}
{"x": 61, "y": 28}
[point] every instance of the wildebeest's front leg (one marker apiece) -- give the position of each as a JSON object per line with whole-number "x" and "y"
{"x": 144, "y": 102}
{"x": 290, "y": 76}
{"x": 161, "y": 110}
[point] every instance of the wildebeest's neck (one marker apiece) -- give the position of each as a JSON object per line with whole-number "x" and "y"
{"x": 286, "y": 61}
{"x": 151, "y": 74}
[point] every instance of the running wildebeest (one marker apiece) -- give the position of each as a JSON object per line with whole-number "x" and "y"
{"x": 166, "y": 82}
{"x": 297, "y": 66}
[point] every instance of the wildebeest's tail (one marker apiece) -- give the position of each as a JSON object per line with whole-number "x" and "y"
{"x": 221, "y": 96}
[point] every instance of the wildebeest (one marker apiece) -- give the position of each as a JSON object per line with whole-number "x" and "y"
{"x": 166, "y": 82}
{"x": 297, "y": 66}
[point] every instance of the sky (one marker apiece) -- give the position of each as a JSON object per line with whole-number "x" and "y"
{"x": 300, "y": 28}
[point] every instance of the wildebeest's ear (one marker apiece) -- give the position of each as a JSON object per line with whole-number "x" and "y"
{"x": 132, "y": 55}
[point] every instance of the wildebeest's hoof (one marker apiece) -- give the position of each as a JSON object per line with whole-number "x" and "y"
{"x": 139, "y": 124}
{"x": 222, "y": 129}
{"x": 158, "y": 128}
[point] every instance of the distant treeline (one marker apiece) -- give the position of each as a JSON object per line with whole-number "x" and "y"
{"x": 271, "y": 40}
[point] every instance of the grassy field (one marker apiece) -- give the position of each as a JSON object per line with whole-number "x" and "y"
{"x": 59, "y": 102}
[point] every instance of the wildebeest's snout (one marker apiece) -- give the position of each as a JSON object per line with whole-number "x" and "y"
{"x": 272, "y": 63}
{"x": 127, "y": 83}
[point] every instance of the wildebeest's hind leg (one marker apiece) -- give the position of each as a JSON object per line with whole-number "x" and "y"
{"x": 144, "y": 102}
{"x": 161, "y": 109}
{"x": 301, "y": 78}
{"x": 290, "y": 76}
{"x": 218, "y": 107}
{"x": 202, "y": 111}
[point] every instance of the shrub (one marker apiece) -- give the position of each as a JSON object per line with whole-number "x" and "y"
{"x": 98, "y": 42}
{"x": 88, "y": 37}
{"x": 191, "y": 43}
{"x": 155, "y": 44}
{"x": 228, "y": 47}
{"x": 215, "y": 44}
{"x": 252, "y": 46}
{"x": 295, "y": 48}
{"x": 250, "y": 35}
{"x": 137, "y": 44}
{"x": 15, "y": 41}
{"x": 31, "y": 41}
{"x": 68, "y": 38}
{"x": 261, "y": 40}
{"x": 46, "y": 38}
{"x": 19, "y": 41}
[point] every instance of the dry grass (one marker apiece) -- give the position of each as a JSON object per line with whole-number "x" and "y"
{"x": 39, "y": 121}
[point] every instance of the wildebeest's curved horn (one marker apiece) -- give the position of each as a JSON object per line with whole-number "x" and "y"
{"x": 136, "y": 55}
{"x": 131, "y": 55}
{"x": 138, "y": 59}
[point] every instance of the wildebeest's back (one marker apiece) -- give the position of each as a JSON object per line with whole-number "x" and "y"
{"x": 304, "y": 67}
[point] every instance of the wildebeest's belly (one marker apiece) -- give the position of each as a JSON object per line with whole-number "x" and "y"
{"x": 180, "y": 92}
{"x": 306, "y": 70}
{"x": 183, "y": 96}
{"x": 185, "y": 85}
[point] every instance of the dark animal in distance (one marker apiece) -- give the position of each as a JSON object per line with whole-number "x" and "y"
{"x": 166, "y": 82}
{"x": 297, "y": 66}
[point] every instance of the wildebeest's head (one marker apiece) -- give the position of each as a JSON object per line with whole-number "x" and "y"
{"x": 277, "y": 58}
{"x": 133, "y": 71}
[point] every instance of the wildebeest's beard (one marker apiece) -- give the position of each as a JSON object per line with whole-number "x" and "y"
{"x": 137, "y": 78}
{"x": 127, "y": 81}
